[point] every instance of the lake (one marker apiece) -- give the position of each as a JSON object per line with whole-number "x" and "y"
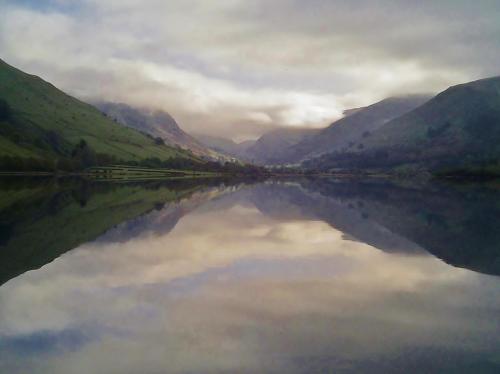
{"x": 311, "y": 275}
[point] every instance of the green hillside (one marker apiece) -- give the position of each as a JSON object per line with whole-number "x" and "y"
{"x": 465, "y": 115}
{"x": 38, "y": 120}
{"x": 458, "y": 131}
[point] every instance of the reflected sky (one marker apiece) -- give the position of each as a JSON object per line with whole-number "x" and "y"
{"x": 231, "y": 287}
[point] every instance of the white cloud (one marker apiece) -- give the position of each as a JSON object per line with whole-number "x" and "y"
{"x": 214, "y": 66}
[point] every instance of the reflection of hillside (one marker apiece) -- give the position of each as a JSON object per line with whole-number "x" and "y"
{"x": 41, "y": 221}
{"x": 297, "y": 202}
{"x": 456, "y": 223}
{"x": 162, "y": 219}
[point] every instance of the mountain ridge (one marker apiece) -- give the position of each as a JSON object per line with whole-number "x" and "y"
{"x": 347, "y": 131}
{"x": 456, "y": 131}
{"x": 157, "y": 123}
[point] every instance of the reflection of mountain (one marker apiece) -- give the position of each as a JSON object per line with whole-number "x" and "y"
{"x": 456, "y": 223}
{"x": 162, "y": 220}
{"x": 294, "y": 201}
{"x": 40, "y": 222}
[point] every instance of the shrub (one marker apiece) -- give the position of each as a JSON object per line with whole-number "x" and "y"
{"x": 5, "y": 111}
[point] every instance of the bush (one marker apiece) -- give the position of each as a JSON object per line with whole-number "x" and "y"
{"x": 5, "y": 111}
{"x": 159, "y": 141}
{"x": 83, "y": 155}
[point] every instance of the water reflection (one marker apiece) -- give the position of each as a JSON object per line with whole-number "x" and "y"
{"x": 42, "y": 219}
{"x": 298, "y": 277}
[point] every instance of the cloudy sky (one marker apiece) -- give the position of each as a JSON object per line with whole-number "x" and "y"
{"x": 240, "y": 68}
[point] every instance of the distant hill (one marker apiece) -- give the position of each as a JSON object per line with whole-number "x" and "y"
{"x": 226, "y": 146}
{"x": 458, "y": 131}
{"x": 156, "y": 123}
{"x": 272, "y": 147}
{"x": 39, "y": 121}
{"x": 351, "y": 130}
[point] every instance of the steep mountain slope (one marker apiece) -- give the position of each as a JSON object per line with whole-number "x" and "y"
{"x": 457, "y": 129}
{"x": 350, "y": 131}
{"x": 38, "y": 120}
{"x": 273, "y": 146}
{"x": 156, "y": 123}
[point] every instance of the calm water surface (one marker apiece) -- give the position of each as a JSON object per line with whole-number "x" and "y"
{"x": 306, "y": 276}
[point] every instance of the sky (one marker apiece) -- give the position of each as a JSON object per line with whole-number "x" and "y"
{"x": 240, "y": 68}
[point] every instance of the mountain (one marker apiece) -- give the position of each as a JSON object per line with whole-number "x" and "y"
{"x": 156, "y": 123}
{"x": 458, "y": 131}
{"x": 39, "y": 121}
{"x": 226, "y": 146}
{"x": 270, "y": 148}
{"x": 352, "y": 129}
{"x": 273, "y": 146}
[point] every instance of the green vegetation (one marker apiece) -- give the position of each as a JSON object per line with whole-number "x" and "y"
{"x": 43, "y": 128}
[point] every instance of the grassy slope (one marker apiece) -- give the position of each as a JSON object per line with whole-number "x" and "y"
{"x": 38, "y": 106}
{"x": 9, "y": 148}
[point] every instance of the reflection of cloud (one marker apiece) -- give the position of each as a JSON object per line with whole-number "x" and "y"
{"x": 44, "y": 341}
{"x": 214, "y": 66}
{"x": 233, "y": 290}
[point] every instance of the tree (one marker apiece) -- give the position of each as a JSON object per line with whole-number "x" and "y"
{"x": 84, "y": 155}
{"x": 5, "y": 111}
